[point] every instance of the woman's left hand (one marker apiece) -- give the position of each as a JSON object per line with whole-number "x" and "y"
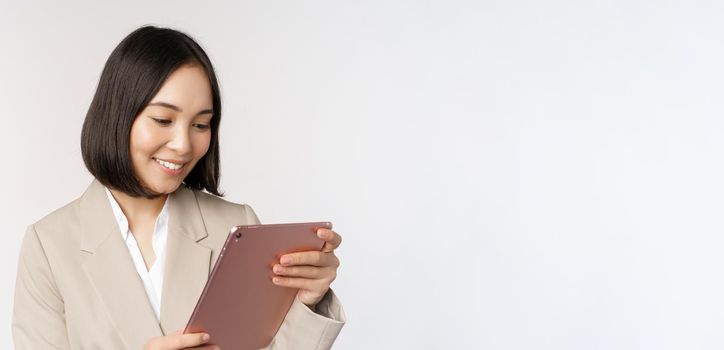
{"x": 312, "y": 271}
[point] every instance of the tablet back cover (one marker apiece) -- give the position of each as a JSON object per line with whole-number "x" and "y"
{"x": 240, "y": 307}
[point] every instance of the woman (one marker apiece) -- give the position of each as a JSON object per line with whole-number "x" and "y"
{"x": 122, "y": 266}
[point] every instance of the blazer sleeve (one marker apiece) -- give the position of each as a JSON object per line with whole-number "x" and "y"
{"x": 303, "y": 328}
{"x": 38, "y": 312}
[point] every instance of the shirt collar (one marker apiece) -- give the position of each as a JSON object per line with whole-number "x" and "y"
{"x": 122, "y": 222}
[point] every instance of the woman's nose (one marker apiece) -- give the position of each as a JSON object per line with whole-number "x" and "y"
{"x": 180, "y": 141}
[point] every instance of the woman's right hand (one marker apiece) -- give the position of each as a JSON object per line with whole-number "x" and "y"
{"x": 179, "y": 340}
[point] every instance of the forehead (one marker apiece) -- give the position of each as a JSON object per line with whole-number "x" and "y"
{"x": 187, "y": 87}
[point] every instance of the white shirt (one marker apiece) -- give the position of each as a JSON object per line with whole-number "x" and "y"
{"x": 153, "y": 278}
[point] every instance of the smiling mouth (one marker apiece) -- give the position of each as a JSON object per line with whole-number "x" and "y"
{"x": 169, "y": 165}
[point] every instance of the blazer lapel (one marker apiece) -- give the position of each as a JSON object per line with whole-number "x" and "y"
{"x": 187, "y": 261}
{"x": 110, "y": 269}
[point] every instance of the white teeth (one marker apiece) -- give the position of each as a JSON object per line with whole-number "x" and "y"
{"x": 171, "y": 166}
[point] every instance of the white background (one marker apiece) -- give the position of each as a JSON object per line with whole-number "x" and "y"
{"x": 505, "y": 174}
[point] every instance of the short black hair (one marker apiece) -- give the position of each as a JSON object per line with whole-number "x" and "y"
{"x": 133, "y": 74}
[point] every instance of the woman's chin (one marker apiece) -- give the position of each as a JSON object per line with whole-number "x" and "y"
{"x": 165, "y": 188}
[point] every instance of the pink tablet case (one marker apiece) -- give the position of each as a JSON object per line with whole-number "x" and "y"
{"x": 240, "y": 307}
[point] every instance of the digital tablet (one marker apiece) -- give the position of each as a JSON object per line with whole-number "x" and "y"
{"x": 240, "y": 307}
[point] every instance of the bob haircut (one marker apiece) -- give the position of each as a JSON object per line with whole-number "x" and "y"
{"x": 133, "y": 74}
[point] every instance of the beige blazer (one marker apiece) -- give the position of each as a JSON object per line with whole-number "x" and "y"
{"x": 77, "y": 287}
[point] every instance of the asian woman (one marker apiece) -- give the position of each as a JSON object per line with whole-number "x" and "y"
{"x": 122, "y": 266}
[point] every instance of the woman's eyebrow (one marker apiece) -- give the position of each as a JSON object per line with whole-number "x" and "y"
{"x": 176, "y": 108}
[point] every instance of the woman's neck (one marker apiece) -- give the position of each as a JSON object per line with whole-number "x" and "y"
{"x": 139, "y": 209}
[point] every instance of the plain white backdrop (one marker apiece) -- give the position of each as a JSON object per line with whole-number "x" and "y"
{"x": 505, "y": 174}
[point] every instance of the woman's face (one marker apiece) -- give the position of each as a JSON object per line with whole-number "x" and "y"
{"x": 173, "y": 132}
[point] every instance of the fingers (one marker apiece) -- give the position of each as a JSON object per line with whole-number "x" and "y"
{"x": 311, "y": 271}
{"x": 332, "y": 239}
{"x": 301, "y": 283}
{"x": 311, "y": 291}
{"x": 312, "y": 279}
{"x": 305, "y": 271}
{"x": 316, "y": 258}
{"x": 313, "y": 258}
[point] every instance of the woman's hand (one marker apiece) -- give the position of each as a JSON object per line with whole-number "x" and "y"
{"x": 312, "y": 271}
{"x": 180, "y": 341}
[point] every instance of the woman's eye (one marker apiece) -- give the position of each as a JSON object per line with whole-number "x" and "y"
{"x": 162, "y": 121}
{"x": 202, "y": 126}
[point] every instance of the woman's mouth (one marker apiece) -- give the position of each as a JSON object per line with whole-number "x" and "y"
{"x": 169, "y": 167}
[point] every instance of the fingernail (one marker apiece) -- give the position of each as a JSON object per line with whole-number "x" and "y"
{"x": 286, "y": 260}
{"x": 277, "y": 268}
{"x": 321, "y": 234}
{"x": 276, "y": 279}
{"x": 206, "y": 337}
